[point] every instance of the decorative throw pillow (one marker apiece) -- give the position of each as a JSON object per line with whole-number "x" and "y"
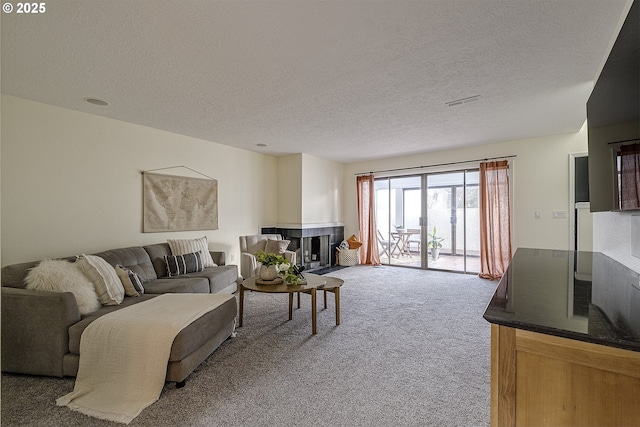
{"x": 183, "y": 264}
{"x": 104, "y": 278}
{"x": 131, "y": 282}
{"x": 353, "y": 242}
{"x": 276, "y": 246}
{"x": 187, "y": 246}
{"x": 64, "y": 276}
{"x": 257, "y": 247}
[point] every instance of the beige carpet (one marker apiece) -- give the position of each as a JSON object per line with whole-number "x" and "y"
{"x": 412, "y": 350}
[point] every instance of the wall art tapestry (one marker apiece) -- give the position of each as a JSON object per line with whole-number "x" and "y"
{"x": 178, "y": 203}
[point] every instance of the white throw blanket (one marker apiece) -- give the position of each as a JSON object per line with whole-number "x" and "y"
{"x": 124, "y": 355}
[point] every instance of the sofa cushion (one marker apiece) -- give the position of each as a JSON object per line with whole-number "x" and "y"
{"x": 182, "y": 264}
{"x": 202, "y": 329}
{"x": 13, "y": 276}
{"x": 104, "y": 278}
{"x": 75, "y": 330}
{"x": 180, "y": 284}
{"x": 185, "y": 343}
{"x": 63, "y": 276}
{"x": 218, "y": 277}
{"x": 156, "y": 254}
{"x": 134, "y": 258}
{"x": 187, "y": 246}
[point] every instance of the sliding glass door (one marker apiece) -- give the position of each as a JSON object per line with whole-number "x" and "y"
{"x": 453, "y": 221}
{"x": 398, "y": 213}
{"x": 429, "y": 221}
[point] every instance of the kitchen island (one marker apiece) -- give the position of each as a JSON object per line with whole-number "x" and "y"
{"x": 565, "y": 341}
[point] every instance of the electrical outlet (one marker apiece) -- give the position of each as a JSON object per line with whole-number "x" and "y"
{"x": 233, "y": 257}
{"x": 537, "y": 215}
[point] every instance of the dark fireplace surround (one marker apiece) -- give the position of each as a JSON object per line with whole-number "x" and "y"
{"x": 314, "y": 247}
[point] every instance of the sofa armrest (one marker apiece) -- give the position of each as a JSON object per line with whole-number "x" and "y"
{"x": 248, "y": 265}
{"x": 35, "y": 330}
{"x": 290, "y": 256}
{"x": 218, "y": 257}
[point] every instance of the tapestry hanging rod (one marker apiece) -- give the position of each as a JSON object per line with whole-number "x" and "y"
{"x": 174, "y": 167}
{"x": 436, "y": 165}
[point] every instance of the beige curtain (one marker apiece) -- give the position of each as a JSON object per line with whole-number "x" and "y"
{"x": 630, "y": 177}
{"x": 366, "y": 219}
{"x": 495, "y": 228}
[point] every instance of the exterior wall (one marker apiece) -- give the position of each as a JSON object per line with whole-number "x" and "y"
{"x": 71, "y": 183}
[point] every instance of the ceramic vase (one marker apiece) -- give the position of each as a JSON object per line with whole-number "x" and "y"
{"x": 268, "y": 272}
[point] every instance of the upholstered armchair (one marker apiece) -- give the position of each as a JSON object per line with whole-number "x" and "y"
{"x": 251, "y": 245}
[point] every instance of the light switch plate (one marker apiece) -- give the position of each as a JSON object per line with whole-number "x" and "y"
{"x": 559, "y": 214}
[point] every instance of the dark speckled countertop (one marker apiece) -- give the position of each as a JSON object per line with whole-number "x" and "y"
{"x": 585, "y": 296}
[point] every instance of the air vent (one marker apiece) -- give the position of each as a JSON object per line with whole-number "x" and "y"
{"x": 463, "y": 101}
{"x": 96, "y": 101}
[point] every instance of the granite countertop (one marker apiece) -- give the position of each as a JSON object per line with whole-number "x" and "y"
{"x": 585, "y": 296}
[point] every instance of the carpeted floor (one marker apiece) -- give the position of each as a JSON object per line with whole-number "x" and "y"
{"x": 412, "y": 350}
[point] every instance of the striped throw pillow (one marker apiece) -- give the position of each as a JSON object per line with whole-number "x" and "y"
{"x": 130, "y": 281}
{"x": 183, "y": 264}
{"x": 187, "y": 246}
{"x": 104, "y": 277}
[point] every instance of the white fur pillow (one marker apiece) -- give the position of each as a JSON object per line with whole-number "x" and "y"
{"x": 64, "y": 276}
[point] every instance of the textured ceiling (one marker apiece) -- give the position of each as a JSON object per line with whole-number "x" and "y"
{"x": 345, "y": 80}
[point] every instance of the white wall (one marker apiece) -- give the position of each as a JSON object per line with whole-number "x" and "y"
{"x": 309, "y": 191}
{"x": 71, "y": 183}
{"x": 321, "y": 191}
{"x": 289, "y": 191}
{"x": 540, "y": 182}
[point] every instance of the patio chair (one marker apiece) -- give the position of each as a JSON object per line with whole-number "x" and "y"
{"x": 385, "y": 245}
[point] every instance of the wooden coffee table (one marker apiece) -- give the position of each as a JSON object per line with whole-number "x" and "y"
{"x": 314, "y": 283}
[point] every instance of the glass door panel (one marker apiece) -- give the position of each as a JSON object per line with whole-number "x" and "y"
{"x": 398, "y": 212}
{"x": 442, "y": 220}
{"x": 452, "y": 226}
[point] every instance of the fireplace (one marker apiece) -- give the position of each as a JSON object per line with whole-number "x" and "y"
{"x": 314, "y": 247}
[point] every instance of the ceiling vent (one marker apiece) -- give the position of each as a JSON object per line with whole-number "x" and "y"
{"x": 463, "y": 100}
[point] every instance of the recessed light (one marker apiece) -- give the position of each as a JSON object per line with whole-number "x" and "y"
{"x": 96, "y": 101}
{"x": 261, "y": 145}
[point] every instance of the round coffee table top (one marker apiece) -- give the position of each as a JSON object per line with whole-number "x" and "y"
{"x": 313, "y": 281}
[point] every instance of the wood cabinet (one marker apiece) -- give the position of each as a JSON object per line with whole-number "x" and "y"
{"x": 544, "y": 380}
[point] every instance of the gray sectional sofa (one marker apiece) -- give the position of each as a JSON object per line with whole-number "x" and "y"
{"x": 41, "y": 330}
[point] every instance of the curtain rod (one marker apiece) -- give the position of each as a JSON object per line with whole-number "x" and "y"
{"x": 440, "y": 164}
{"x": 623, "y": 142}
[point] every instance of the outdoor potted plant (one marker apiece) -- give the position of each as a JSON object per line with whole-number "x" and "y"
{"x": 434, "y": 243}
